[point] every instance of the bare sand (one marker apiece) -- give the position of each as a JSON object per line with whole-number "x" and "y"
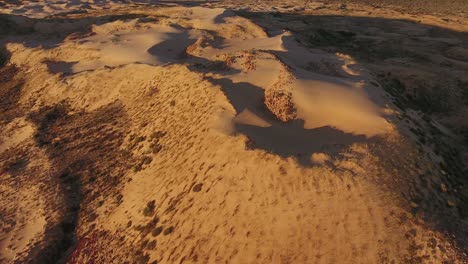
{"x": 231, "y": 132}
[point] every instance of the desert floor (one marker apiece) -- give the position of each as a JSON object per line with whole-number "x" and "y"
{"x": 233, "y": 132}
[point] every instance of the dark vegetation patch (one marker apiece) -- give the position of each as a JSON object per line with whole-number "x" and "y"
{"x": 149, "y": 209}
{"x": 13, "y": 25}
{"x": 414, "y": 6}
{"x": 426, "y": 97}
{"x": 389, "y": 48}
{"x": 142, "y": 258}
{"x": 10, "y": 94}
{"x": 157, "y": 231}
{"x": 138, "y": 142}
{"x": 151, "y": 245}
{"x": 432, "y": 100}
{"x": 197, "y": 187}
{"x": 320, "y": 37}
{"x": 155, "y": 140}
{"x": 16, "y": 167}
{"x": 89, "y": 164}
{"x": 141, "y": 164}
{"x": 168, "y": 230}
{"x": 106, "y": 247}
{"x": 3, "y": 57}
{"x": 464, "y": 90}
{"x": 148, "y": 227}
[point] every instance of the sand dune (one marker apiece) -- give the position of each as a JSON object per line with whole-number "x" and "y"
{"x": 147, "y": 132}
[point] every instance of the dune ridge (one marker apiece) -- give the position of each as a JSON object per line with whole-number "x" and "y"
{"x": 167, "y": 133}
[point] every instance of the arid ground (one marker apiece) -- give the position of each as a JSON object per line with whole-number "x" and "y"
{"x": 233, "y": 131}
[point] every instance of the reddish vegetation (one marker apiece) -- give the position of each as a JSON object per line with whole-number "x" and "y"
{"x": 280, "y": 104}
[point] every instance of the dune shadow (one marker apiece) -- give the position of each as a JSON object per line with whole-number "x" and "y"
{"x": 401, "y": 44}
{"x": 61, "y": 67}
{"x": 286, "y": 139}
{"x": 172, "y": 49}
{"x": 220, "y": 18}
{"x": 293, "y": 140}
{"x": 419, "y": 66}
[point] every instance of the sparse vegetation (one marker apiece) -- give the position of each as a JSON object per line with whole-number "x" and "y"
{"x": 423, "y": 97}
{"x": 85, "y": 126}
{"x": 150, "y": 208}
{"x": 158, "y": 230}
{"x": 151, "y": 245}
{"x": 168, "y": 230}
{"x": 145, "y": 160}
{"x": 142, "y": 258}
{"x": 197, "y": 187}
{"x": 321, "y": 37}
{"x": 148, "y": 227}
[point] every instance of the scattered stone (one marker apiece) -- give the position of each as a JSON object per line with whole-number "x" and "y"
{"x": 450, "y": 203}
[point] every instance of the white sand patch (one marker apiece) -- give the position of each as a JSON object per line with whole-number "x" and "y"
{"x": 155, "y": 46}
{"x": 260, "y": 43}
{"x": 321, "y": 99}
{"x": 342, "y": 105}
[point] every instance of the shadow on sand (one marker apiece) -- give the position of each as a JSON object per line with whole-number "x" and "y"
{"x": 289, "y": 139}
{"x": 405, "y": 39}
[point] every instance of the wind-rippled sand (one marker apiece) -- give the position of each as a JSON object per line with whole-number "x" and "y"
{"x": 169, "y": 133}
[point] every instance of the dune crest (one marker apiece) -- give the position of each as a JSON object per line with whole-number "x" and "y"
{"x": 204, "y": 132}
{"x": 322, "y": 99}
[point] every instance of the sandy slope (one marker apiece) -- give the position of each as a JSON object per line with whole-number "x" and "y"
{"x": 191, "y": 134}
